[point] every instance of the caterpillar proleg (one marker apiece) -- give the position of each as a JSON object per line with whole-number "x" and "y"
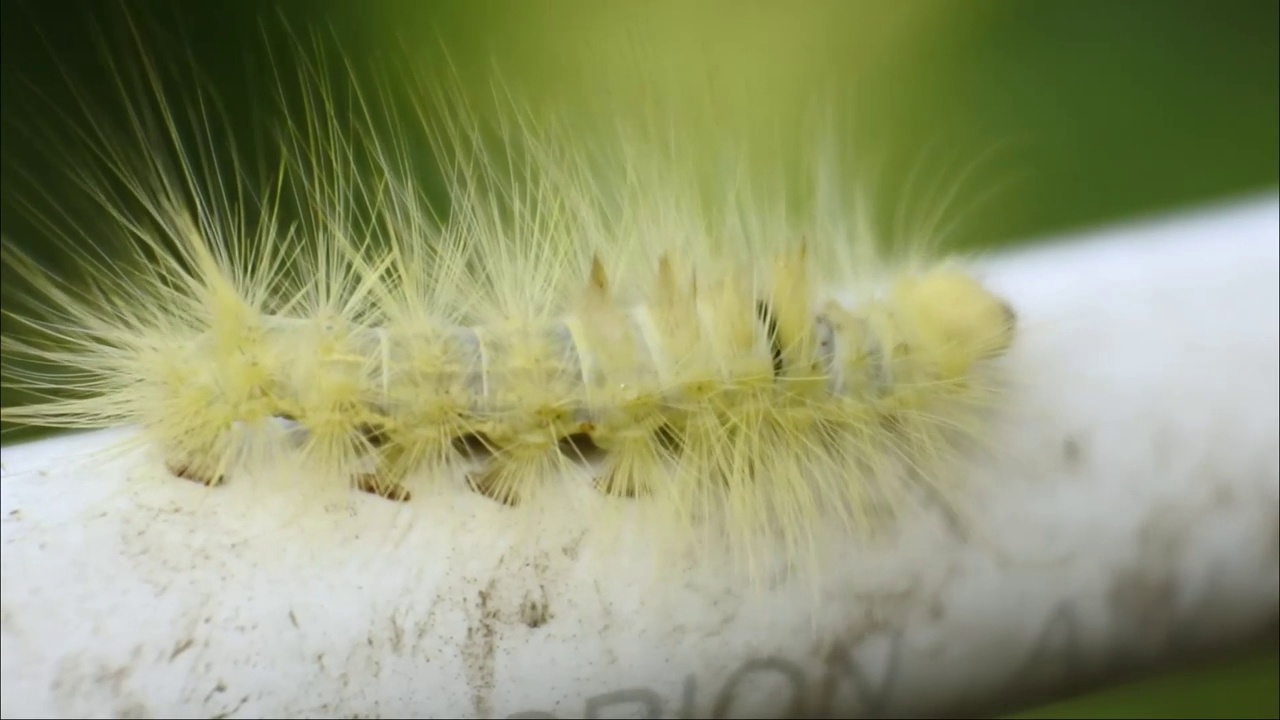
{"x": 715, "y": 353}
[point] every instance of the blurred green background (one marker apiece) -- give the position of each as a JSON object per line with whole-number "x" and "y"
{"x": 1044, "y": 116}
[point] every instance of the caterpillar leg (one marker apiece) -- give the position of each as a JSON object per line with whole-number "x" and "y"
{"x": 376, "y": 484}
{"x": 631, "y": 452}
{"x": 187, "y": 470}
{"x": 500, "y": 480}
{"x": 199, "y": 461}
{"x": 625, "y": 464}
{"x": 629, "y": 470}
{"x": 511, "y": 475}
{"x": 390, "y": 469}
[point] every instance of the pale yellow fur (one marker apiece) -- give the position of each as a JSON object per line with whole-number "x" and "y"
{"x": 686, "y": 346}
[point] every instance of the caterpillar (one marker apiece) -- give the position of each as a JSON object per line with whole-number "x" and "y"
{"x": 709, "y": 352}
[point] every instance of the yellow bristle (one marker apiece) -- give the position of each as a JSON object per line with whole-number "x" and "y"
{"x": 559, "y": 325}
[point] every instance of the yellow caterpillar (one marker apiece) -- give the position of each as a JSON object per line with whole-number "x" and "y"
{"x": 767, "y": 371}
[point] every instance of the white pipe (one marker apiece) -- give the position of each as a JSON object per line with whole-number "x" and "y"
{"x": 1129, "y": 517}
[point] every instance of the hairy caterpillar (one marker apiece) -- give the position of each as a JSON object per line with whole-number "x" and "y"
{"x": 711, "y": 352}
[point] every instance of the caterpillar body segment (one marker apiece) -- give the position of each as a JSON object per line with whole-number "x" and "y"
{"x": 678, "y": 391}
{"x": 758, "y": 399}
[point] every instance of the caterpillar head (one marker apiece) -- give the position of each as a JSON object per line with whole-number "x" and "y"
{"x": 952, "y": 319}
